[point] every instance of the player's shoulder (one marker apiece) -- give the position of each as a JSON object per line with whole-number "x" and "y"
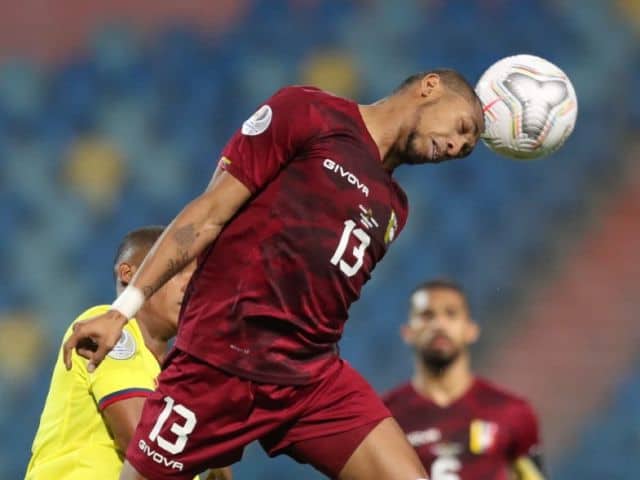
{"x": 317, "y": 104}
{"x": 495, "y": 393}
{"x": 87, "y": 314}
{"x": 307, "y": 92}
{"x": 130, "y": 340}
{"x": 96, "y": 310}
{"x": 398, "y": 394}
{"x": 92, "y": 312}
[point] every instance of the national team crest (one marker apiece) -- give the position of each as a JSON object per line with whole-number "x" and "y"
{"x": 392, "y": 227}
{"x": 482, "y": 436}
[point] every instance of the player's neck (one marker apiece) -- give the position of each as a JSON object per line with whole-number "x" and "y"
{"x": 446, "y": 386}
{"x": 383, "y": 120}
{"x": 155, "y": 339}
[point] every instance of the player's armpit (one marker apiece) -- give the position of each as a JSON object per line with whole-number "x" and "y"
{"x": 122, "y": 417}
{"x": 528, "y": 468}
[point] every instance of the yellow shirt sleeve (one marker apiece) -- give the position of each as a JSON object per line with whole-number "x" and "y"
{"x": 129, "y": 370}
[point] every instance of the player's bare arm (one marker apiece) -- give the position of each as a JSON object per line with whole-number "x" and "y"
{"x": 195, "y": 227}
{"x": 122, "y": 418}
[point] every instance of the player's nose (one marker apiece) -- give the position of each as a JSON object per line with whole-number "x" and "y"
{"x": 454, "y": 147}
{"x": 458, "y": 147}
{"x": 437, "y": 322}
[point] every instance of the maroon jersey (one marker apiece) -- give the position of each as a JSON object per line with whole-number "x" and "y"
{"x": 479, "y": 436}
{"x": 270, "y": 296}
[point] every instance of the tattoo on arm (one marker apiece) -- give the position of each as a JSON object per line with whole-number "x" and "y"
{"x": 185, "y": 237}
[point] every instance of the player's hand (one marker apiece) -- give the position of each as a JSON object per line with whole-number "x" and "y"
{"x": 94, "y": 338}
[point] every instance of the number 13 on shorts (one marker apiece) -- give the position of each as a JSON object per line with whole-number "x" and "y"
{"x": 181, "y": 430}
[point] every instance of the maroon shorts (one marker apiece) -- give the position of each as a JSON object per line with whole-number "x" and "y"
{"x": 201, "y": 417}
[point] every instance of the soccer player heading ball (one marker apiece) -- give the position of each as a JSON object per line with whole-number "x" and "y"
{"x": 299, "y": 211}
{"x": 463, "y": 427}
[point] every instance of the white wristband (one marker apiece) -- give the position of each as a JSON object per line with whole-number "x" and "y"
{"x": 129, "y": 302}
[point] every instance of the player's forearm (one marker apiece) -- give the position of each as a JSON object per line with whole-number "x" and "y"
{"x": 195, "y": 227}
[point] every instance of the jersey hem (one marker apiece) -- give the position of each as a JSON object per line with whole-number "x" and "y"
{"x": 254, "y": 376}
{"x": 239, "y": 175}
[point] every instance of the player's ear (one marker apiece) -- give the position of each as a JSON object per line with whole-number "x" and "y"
{"x": 406, "y": 333}
{"x": 125, "y": 272}
{"x": 430, "y": 85}
{"x": 473, "y": 332}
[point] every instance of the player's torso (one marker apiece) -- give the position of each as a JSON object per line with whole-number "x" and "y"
{"x": 469, "y": 441}
{"x": 300, "y": 252}
{"x": 73, "y": 440}
{"x": 329, "y": 212}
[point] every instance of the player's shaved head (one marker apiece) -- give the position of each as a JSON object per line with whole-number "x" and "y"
{"x": 135, "y": 245}
{"x": 441, "y": 118}
{"x": 450, "y": 78}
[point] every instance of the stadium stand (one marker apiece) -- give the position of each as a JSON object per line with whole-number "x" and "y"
{"x": 125, "y": 133}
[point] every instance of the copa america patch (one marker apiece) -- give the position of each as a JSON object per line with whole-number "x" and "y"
{"x": 258, "y": 122}
{"x": 125, "y": 348}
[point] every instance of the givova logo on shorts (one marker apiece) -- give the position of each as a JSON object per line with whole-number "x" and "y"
{"x": 158, "y": 457}
{"x": 181, "y": 432}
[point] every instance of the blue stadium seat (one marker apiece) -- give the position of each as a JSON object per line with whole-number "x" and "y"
{"x": 608, "y": 446}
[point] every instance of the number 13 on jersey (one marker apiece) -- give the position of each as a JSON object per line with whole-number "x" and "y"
{"x": 358, "y": 251}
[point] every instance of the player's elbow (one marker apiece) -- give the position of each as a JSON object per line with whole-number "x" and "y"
{"x": 208, "y": 215}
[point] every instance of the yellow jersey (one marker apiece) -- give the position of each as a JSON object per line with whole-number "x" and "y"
{"x": 73, "y": 441}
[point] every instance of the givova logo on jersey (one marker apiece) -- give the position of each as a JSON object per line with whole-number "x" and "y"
{"x": 346, "y": 174}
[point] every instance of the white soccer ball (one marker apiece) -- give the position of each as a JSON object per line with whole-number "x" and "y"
{"x": 530, "y": 107}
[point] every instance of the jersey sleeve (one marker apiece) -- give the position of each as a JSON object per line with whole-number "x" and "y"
{"x": 122, "y": 374}
{"x": 269, "y": 139}
{"x": 526, "y": 434}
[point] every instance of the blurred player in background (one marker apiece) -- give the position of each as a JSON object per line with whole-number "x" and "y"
{"x": 298, "y": 213}
{"x": 463, "y": 427}
{"x": 89, "y": 417}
